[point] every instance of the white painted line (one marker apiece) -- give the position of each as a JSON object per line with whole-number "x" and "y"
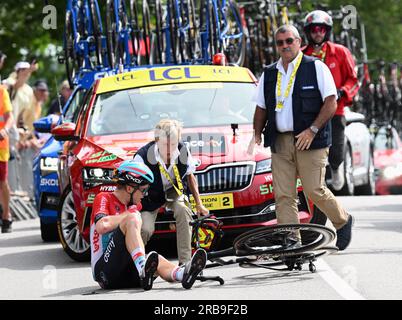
{"x": 336, "y": 282}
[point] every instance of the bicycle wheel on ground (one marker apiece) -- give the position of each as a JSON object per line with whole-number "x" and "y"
{"x": 283, "y": 239}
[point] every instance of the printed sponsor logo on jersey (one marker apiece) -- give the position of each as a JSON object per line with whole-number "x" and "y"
{"x": 107, "y": 188}
{"x": 95, "y": 241}
{"x": 109, "y": 248}
{"x": 103, "y": 205}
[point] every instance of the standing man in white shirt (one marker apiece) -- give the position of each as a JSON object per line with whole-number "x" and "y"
{"x": 172, "y": 166}
{"x": 296, "y": 98}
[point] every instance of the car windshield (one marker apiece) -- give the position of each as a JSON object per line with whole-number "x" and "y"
{"x": 194, "y": 104}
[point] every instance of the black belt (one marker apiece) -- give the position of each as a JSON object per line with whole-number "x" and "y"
{"x": 286, "y": 132}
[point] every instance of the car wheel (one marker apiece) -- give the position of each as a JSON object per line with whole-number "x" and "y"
{"x": 348, "y": 188}
{"x": 368, "y": 188}
{"x": 48, "y": 232}
{"x": 69, "y": 234}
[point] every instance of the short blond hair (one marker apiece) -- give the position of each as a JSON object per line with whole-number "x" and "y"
{"x": 168, "y": 128}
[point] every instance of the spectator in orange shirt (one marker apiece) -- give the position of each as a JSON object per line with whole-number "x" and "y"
{"x": 6, "y": 122}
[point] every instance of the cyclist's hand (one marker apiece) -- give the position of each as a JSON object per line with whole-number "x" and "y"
{"x": 201, "y": 210}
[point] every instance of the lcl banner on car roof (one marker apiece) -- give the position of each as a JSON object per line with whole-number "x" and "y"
{"x": 174, "y": 74}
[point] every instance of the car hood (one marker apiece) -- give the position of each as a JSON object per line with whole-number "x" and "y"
{"x": 211, "y": 145}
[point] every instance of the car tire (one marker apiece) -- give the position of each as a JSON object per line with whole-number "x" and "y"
{"x": 348, "y": 188}
{"x": 70, "y": 236}
{"x": 368, "y": 189}
{"x": 48, "y": 232}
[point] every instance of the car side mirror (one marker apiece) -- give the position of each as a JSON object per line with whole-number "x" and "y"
{"x": 65, "y": 132}
{"x": 45, "y": 124}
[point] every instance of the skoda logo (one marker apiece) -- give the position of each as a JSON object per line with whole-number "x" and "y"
{"x": 197, "y": 162}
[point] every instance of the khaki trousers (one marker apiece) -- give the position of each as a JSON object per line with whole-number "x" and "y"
{"x": 183, "y": 216}
{"x": 309, "y": 165}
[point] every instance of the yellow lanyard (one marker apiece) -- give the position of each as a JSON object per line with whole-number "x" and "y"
{"x": 179, "y": 189}
{"x": 279, "y": 105}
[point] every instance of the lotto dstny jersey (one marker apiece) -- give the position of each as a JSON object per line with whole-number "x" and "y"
{"x": 105, "y": 203}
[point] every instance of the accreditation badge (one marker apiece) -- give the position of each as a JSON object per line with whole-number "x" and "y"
{"x": 279, "y": 106}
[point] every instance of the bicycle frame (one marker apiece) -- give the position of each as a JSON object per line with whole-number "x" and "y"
{"x": 83, "y": 30}
{"x": 123, "y": 30}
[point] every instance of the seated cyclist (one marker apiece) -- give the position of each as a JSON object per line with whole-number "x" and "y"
{"x": 118, "y": 256}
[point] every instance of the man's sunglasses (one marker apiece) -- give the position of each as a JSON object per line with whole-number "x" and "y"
{"x": 280, "y": 43}
{"x": 318, "y": 29}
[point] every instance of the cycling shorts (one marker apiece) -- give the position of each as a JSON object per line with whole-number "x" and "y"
{"x": 116, "y": 269}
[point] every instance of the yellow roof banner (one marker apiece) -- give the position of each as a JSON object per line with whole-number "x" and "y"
{"x": 173, "y": 74}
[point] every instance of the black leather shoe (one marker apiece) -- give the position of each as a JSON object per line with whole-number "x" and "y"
{"x": 344, "y": 234}
{"x": 6, "y": 226}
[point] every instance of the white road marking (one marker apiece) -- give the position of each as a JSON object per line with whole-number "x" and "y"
{"x": 336, "y": 282}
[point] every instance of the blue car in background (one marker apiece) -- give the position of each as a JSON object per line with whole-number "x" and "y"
{"x": 46, "y": 183}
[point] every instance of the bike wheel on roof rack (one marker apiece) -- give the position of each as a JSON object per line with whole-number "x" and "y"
{"x": 71, "y": 59}
{"x": 159, "y": 34}
{"x": 146, "y": 28}
{"x": 283, "y": 239}
{"x": 135, "y": 34}
{"x": 193, "y": 45}
{"x": 111, "y": 33}
{"x": 97, "y": 31}
{"x": 235, "y": 42}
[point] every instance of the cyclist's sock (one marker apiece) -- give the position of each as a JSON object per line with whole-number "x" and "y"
{"x": 138, "y": 256}
{"x": 177, "y": 273}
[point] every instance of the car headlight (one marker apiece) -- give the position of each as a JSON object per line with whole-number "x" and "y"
{"x": 392, "y": 172}
{"x": 263, "y": 166}
{"x": 97, "y": 174}
{"x": 48, "y": 165}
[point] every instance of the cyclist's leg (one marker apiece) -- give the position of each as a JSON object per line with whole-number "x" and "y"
{"x": 311, "y": 169}
{"x": 115, "y": 269}
{"x": 148, "y": 224}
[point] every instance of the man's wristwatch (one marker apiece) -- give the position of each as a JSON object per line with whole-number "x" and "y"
{"x": 314, "y": 129}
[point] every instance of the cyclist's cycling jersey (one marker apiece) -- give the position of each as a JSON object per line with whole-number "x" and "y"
{"x": 105, "y": 204}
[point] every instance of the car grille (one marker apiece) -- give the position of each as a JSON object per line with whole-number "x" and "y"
{"x": 227, "y": 178}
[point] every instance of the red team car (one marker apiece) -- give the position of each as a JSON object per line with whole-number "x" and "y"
{"x": 388, "y": 161}
{"x": 214, "y": 103}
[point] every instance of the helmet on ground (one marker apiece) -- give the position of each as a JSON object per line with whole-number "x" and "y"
{"x": 132, "y": 172}
{"x": 318, "y": 17}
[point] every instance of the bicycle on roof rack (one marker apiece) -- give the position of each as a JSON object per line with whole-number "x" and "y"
{"x": 126, "y": 40}
{"x": 84, "y": 44}
{"x": 221, "y": 31}
{"x": 276, "y": 247}
{"x": 176, "y": 32}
